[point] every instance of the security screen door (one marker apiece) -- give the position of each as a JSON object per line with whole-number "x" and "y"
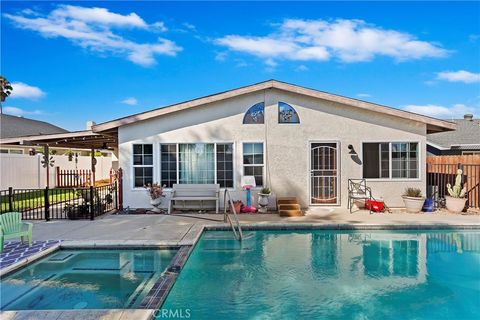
{"x": 323, "y": 173}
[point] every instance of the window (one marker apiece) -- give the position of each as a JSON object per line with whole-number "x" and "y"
{"x": 195, "y": 163}
{"x": 12, "y": 151}
{"x": 470, "y": 153}
{"x": 255, "y": 115}
{"x": 253, "y": 161}
{"x": 396, "y": 160}
{"x": 287, "y": 114}
{"x": 225, "y": 165}
{"x": 168, "y": 158}
{"x": 142, "y": 164}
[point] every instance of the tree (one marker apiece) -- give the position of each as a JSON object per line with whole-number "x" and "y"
{"x": 6, "y": 90}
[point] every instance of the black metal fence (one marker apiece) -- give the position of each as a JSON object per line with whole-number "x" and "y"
{"x": 60, "y": 203}
{"x": 439, "y": 175}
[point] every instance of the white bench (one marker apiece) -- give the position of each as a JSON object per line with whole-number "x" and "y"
{"x": 194, "y": 192}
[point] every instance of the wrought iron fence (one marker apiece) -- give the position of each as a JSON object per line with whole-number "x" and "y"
{"x": 61, "y": 203}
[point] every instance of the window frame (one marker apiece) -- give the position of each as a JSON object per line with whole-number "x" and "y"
{"x": 264, "y": 173}
{"x": 390, "y": 142}
{"x": 215, "y": 161}
{"x": 278, "y": 114}
{"x": 133, "y": 165}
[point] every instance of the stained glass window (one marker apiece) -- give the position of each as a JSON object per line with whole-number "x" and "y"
{"x": 287, "y": 114}
{"x": 255, "y": 115}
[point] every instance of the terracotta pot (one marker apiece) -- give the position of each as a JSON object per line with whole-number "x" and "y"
{"x": 237, "y": 206}
{"x": 413, "y": 204}
{"x": 455, "y": 204}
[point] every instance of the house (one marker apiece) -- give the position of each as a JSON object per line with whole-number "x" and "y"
{"x": 298, "y": 141}
{"x": 22, "y": 146}
{"x": 14, "y": 126}
{"x": 465, "y": 140}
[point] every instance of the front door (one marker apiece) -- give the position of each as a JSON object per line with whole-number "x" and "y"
{"x": 323, "y": 173}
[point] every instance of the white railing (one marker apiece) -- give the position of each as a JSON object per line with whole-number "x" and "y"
{"x": 237, "y": 232}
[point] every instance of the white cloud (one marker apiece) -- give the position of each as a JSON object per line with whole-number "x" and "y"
{"x": 14, "y": 111}
{"x": 364, "y": 95}
{"x": 301, "y": 68}
{"x": 131, "y": 101}
{"x": 454, "y": 112}
{"x": 93, "y": 29}
{"x": 459, "y": 76}
{"x": 346, "y": 40}
{"x": 221, "y": 56}
{"x": 23, "y": 90}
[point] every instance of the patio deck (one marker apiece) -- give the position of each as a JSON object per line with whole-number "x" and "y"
{"x": 173, "y": 229}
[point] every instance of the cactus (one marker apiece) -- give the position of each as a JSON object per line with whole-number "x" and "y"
{"x": 457, "y": 191}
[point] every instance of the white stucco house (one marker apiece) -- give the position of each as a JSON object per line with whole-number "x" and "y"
{"x": 297, "y": 141}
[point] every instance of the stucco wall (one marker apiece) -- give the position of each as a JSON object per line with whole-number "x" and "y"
{"x": 287, "y": 145}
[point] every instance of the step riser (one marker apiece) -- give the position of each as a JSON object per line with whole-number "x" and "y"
{"x": 279, "y": 202}
{"x": 289, "y": 207}
{"x": 290, "y": 213}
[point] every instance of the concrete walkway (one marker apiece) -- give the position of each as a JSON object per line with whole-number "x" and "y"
{"x": 172, "y": 229}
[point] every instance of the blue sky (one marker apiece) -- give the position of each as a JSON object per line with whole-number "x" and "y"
{"x": 71, "y": 62}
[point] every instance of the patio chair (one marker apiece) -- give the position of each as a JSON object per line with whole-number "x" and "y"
{"x": 358, "y": 190}
{"x": 11, "y": 226}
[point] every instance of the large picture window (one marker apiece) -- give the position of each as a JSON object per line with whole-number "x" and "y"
{"x": 253, "y": 161}
{"x": 142, "y": 164}
{"x": 395, "y": 160}
{"x": 197, "y": 163}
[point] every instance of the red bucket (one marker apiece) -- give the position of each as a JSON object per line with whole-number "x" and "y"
{"x": 374, "y": 205}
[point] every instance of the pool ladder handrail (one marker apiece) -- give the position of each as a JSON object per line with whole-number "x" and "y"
{"x": 238, "y": 231}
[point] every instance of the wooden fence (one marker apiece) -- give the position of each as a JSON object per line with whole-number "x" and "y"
{"x": 468, "y": 159}
{"x": 73, "y": 178}
{"x": 442, "y": 170}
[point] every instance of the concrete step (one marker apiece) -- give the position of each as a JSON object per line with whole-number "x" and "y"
{"x": 290, "y": 213}
{"x": 293, "y": 206}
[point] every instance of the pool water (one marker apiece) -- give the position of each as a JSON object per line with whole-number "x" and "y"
{"x": 85, "y": 279}
{"x": 330, "y": 275}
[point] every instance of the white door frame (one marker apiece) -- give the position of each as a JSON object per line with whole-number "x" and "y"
{"x": 338, "y": 149}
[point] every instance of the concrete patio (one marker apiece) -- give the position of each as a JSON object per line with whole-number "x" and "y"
{"x": 173, "y": 229}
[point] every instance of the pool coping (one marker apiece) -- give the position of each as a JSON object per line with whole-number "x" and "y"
{"x": 159, "y": 292}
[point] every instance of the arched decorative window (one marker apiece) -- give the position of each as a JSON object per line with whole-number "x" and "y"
{"x": 255, "y": 115}
{"x": 287, "y": 114}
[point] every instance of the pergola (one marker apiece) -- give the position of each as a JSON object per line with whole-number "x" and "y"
{"x": 78, "y": 139}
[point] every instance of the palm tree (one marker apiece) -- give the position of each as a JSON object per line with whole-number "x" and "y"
{"x": 6, "y": 90}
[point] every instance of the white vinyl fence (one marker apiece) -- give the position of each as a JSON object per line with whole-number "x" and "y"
{"x": 22, "y": 171}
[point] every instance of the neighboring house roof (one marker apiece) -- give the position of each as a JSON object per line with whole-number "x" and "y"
{"x": 13, "y": 126}
{"x": 433, "y": 125}
{"x": 466, "y": 137}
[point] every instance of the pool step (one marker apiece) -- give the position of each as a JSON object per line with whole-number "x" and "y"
{"x": 289, "y": 207}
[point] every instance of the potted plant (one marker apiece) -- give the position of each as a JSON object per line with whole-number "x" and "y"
{"x": 263, "y": 196}
{"x": 237, "y": 205}
{"x": 413, "y": 199}
{"x": 456, "y": 201}
{"x": 155, "y": 191}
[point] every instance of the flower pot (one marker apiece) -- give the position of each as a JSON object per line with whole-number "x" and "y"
{"x": 155, "y": 203}
{"x": 237, "y": 205}
{"x": 413, "y": 204}
{"x": 263, "y": 199}
{"x": 455, "y": 204}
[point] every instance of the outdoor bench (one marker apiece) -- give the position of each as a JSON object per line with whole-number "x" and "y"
{"x": 194, "y": 192}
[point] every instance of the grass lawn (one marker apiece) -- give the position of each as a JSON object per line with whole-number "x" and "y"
{"x": 33, "y": 199}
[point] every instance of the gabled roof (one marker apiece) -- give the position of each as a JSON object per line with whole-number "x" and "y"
{"x": 433, "y": 125}
{"x": 13, "y": 126}
{"x": 467, "y": 136}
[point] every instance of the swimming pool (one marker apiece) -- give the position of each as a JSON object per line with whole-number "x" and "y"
{"x": 331, "y": 275}
{"x": 85, "y": 279}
